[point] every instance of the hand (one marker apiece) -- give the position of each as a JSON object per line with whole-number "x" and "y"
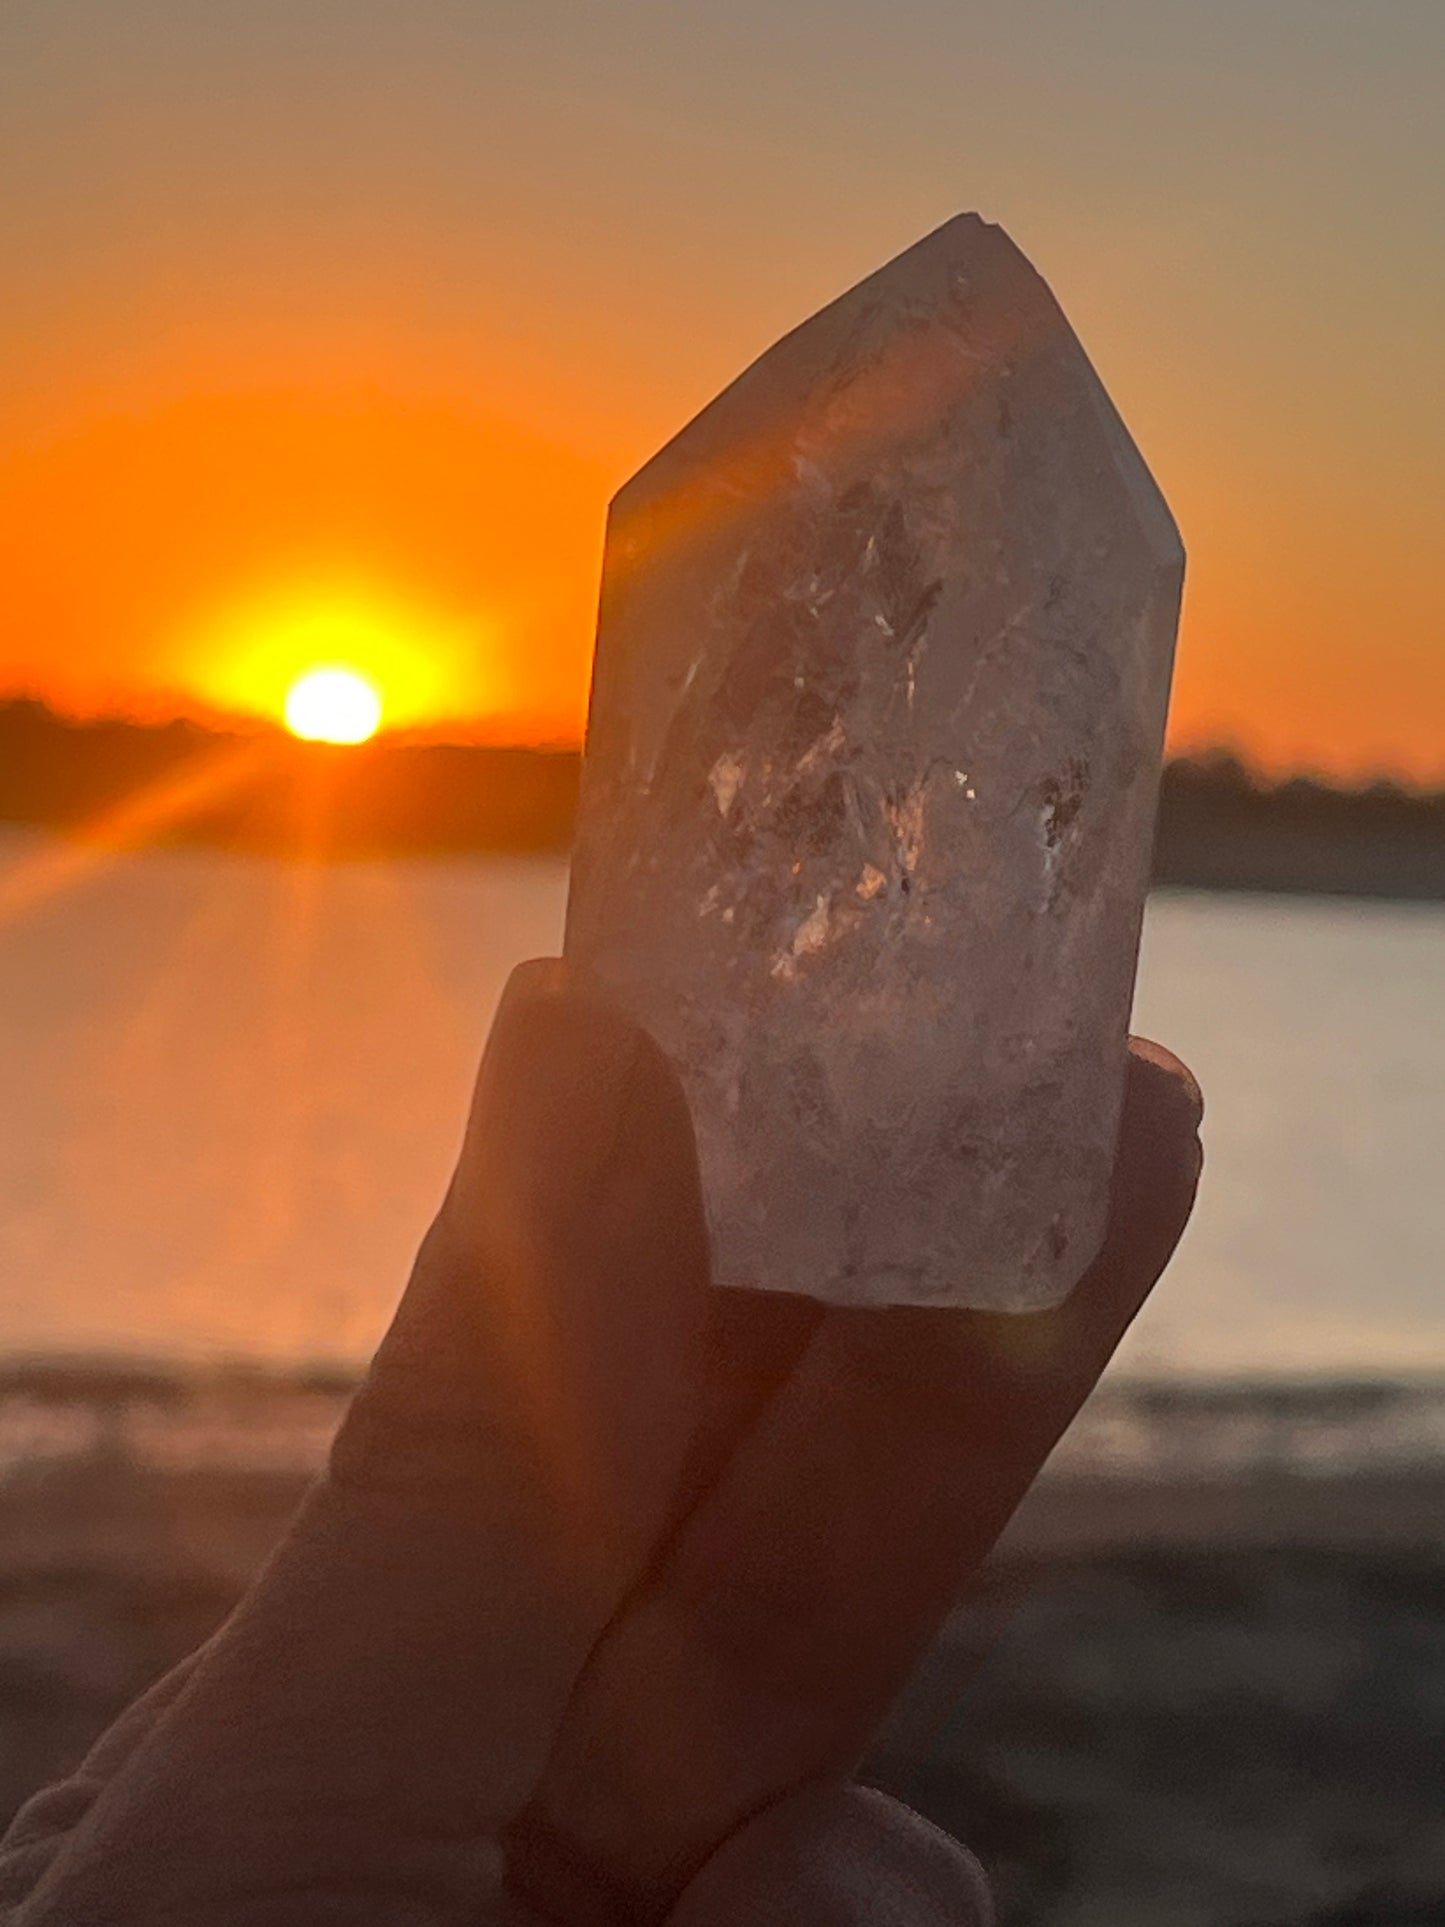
{"x": 611, "y": 1576}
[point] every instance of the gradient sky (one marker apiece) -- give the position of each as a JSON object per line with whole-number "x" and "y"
{"x": 331, "y": 319}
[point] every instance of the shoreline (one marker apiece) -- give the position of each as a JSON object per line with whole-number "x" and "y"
{"x": 106, "y": 1514}
{"x": 1196, "y": 1434}
{"x": 1068, "y": 1515}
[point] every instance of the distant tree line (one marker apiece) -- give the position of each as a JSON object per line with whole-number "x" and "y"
{"x": 180, "y": 782}
{"x": 1220, "y": 825}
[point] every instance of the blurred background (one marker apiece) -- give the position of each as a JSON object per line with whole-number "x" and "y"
{"x": 327, "y": 330}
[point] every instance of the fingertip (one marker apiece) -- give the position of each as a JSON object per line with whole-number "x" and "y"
{"x": 580, "y": 1156}
{"x": 1160, "y": 1150}
{"x": 550, "y": 1093}
{"x": 547, "y": 1005}
{"x": 1156, "y": 1176}
{"x": 536, "y": 977}
{"x": 1166, "y": 1079}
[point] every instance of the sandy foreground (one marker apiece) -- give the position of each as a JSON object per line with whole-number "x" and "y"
{"x": 1204, "y": 1704}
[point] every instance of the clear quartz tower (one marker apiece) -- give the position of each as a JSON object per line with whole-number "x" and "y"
{"x": 872, "y": 766}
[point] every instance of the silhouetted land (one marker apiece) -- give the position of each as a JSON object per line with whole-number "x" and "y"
{"x": 181, "y": 783}
{"x": 1220, "y": 827}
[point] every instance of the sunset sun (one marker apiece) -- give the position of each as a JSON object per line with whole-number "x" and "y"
{"x": 336, "y": 661}
{"x": 333, "y": 704}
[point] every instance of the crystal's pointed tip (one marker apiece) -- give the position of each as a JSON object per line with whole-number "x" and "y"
{"x": 974, "y": 246}
{"x": 966, "y": 233}
{"x": 971, "y": 226}
{"x": 978, "y": 246}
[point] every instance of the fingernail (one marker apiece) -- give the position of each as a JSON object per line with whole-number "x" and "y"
{"x": 1170, "y": 1077}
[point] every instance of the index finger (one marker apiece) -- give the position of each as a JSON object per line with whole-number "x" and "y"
{"x": 801, "y": 1592}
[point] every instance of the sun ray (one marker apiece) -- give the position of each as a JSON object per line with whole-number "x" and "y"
{"x": 127, "y": 826}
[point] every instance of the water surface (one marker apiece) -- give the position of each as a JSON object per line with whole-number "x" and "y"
{"x": 231, "y": 1089}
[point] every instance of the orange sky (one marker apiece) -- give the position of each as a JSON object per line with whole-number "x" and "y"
{"x": 327, "y": 331}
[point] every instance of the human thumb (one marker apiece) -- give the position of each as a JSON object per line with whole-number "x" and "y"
{"x": 384, "y": 1698}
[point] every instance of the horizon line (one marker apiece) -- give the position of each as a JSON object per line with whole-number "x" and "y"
{"x": 1219, "y": 756}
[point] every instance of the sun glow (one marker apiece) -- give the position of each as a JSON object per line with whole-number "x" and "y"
{"x": 333, "y": 704}
{"x": 422, "y": 667}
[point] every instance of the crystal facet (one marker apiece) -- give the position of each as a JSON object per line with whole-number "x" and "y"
{"x": 877, "y": 717}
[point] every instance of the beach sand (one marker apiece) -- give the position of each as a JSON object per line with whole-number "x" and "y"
{"x": 1197, "y": 1705}
{"x": 1187, "y": 1704}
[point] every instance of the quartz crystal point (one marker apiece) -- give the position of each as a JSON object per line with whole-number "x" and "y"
{"x": 871, "y": 774}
